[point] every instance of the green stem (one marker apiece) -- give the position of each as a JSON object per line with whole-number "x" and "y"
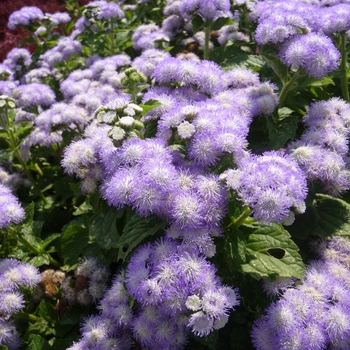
{"x": 13, "y": 145}
{"x": 289, "y": 85}
{"x": 134, "y": 95}
{"x": 36, "y": 250}
{"x": 343, "y": 67}
{"x": 206, "y": 42}
{"x": 25, "y": 316}
{"x": 241, "y": 219}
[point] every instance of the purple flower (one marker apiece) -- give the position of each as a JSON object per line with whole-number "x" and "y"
{"x": 63, "y": 50}
{"x": 313, "y": 52}
{"x": 324, "y": 165}
{"x": 24, "y": 16}
{"x": 313, "y": 315}
{"x": 18, "y": 60}
{"x": 239, "y": 78}
{"x": 8, "y": 335}
{"x": 148, "y": 60}
{"x": 35, "y": 94}
{"x": 272, "y": 185}
{"x": 105, "y": 10}
{"x": 10, "y": 209}
{"x": 335, "y": 19}
{"x": 207, "y": 9}
{"x": 58, "y": 18}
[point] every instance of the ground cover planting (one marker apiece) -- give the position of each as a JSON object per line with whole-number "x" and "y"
{"x": 175, "y": 175}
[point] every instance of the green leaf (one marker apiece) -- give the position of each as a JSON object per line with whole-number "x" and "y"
{"x": 5, "y": 154}
{"x": 40, "y": 260}
{"x": 210, "y": 341}
{"x": 135, "y": 231}
{"x": 197, "y": 22}
{"x": 232, "y": 252}
{"x": 228, "y": 55}
{"x": 73, "y": 315}
{"x": 36, "y": 342}
{"x": 49, "y": 240}
{"x": 220, "y": 22}
{"x": 73, "y": 241}
{"x": 323, "y": 82}
{"x": 149, "y": 105}
{"x": 26, "y": 41}
{"x": 284, "y": 112}
{"x": 103, "y": 227}
{"x": 280, "y": 69}
{"x": 271, "y": 252}
{"x": 325, "y": 217}
{"x": 29, "y": 209}
{"x": 47, "y": 311}
{"x": 282, "y": 130}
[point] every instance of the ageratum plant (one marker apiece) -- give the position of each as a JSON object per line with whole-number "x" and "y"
{"x": 175, "y": 175}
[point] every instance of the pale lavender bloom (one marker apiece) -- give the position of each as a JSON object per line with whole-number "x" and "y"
{"x": 6, "y": 74}
{"x": 204, "y": 76}
{"x": 104, "y": 10}
{"x": 335, "y": 19}
{"x": 62, "y": 115}
{"x": 6, "y": 87}
{"x": 58, "y": 18}
{"x": 327, "y": 123}
{"x": 18, "y": 60}
{"x": 34, "y": 94}
{"x": 313, "y": 315}
{"x": 207, "y": 9}
{"x": 8, "y": 335}
{"x": 24, "y": 16}
{"x": 231, "y": 33}
{"x": 13, "y": 276}
{"x": 322, "y": 164}
{"x": 315, "y": 53}
{"x": 148, "y": 60}
{"x": 151, "y": 40}
{"x": 210, "y": 79}
{"x": 172, "y": 25}
{"x": 11, "y": 210}
{"x": 11, "y": 303}
{"x": 172, "y": 7}
{"x": 239, "y": 78}
{"x": 272, "y": 185}
{"x": 175, "y": 274}
{"x": 12, "y": 180}
{"x": 263, "y": 99}
{"x": 71, "y": 88}
{"x": 36, "y": 75}
{"x": 62, "y": 51}
{"x": 146, "y": 35}
{"x": 110, "y": 63}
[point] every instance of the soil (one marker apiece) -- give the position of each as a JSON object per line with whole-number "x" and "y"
{"x": 10, "y": 38}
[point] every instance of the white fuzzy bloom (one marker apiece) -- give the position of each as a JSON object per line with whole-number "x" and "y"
{"x": 186, "y": 130}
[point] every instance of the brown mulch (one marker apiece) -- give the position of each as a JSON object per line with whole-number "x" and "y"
{"x": 10, "y": 38}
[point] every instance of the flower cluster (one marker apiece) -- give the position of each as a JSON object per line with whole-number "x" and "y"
{"x": 13, "y": 276}
{"x": 313, "y": 52}
{"x": 322, "y": 150}
{"x": 272, "y": 185}
{"x": 315, "y": 314}
{"x": 297, "y": 27}
{"x": 10, "y": 209}
{"x": 24, "y": 16}
{"x": 174, "y": 289}
{"x": 62, "y": 51}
